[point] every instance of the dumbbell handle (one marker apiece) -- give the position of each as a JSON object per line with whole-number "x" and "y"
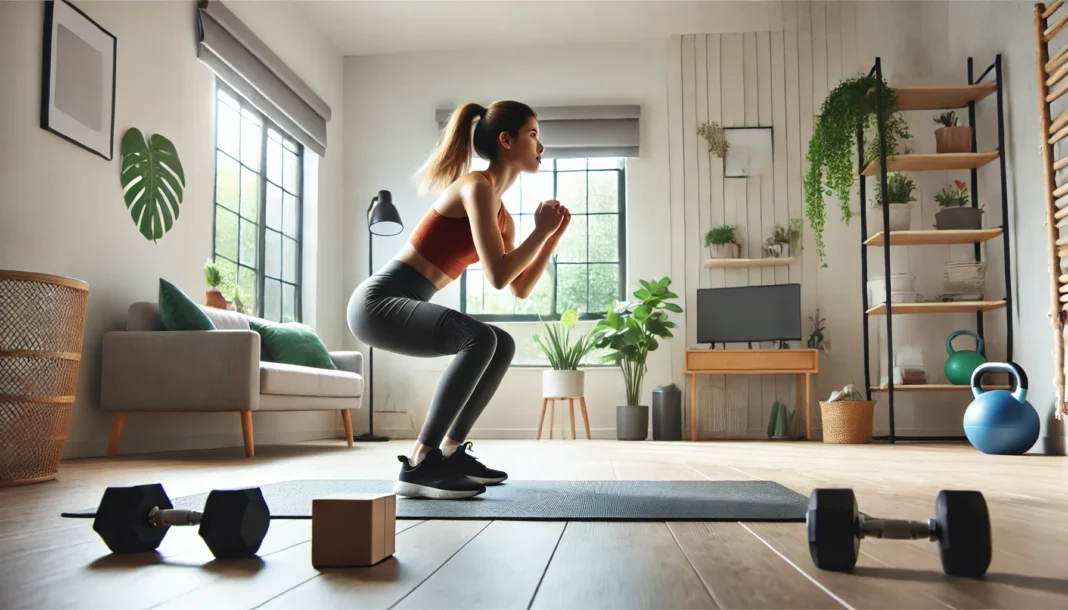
{"x": 897, "y": 529}
{"x": 158, "y": 517}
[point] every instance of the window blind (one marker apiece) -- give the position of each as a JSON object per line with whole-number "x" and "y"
{"x": 241, "y": 59}
{"x": 582, "y": 131}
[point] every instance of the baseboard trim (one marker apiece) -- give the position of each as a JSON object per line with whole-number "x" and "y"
{"x": 136, "y": 446}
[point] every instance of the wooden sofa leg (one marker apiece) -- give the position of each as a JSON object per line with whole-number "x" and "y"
{"x": 246, "y": 431}
{"x": 117, "y": 422}
{"x": 346, "y": 417}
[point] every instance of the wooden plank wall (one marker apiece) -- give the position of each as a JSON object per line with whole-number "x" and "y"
{"x": 775, "y": 78}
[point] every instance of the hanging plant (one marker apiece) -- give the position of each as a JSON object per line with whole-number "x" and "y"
{"x": 717, "y": 140}
{"x": 832, "y": 169}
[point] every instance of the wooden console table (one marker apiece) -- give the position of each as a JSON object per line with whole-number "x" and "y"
{"x": 801, "y": 362}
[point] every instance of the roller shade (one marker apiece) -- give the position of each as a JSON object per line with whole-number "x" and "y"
{"x": 241, "y": 59}
{"x": 582, "y": 131}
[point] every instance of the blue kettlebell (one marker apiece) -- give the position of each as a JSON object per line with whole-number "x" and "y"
{"x": 1001, "y": 422}
{"x": 960, "y": 364}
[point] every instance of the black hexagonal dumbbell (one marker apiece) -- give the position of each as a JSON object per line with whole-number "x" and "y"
{"x": 135, "y": 520}
{"x": 961, "y": 526}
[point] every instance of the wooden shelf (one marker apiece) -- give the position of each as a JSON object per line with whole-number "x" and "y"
{"x": 719, "y": 263}
{"x": 935, "y": 387}
{"x": 942, "y": 98}
{"x": 922, "y": 163}
{"x": 937, "y": 307}
{"x": 934, "y": 237}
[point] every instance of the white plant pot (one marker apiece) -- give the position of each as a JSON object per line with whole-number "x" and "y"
{"x": 563, "y": 384}
{"x": 723, "y": 250}
{"x": 778, "y": 250}
{"x": 900, "y": 216}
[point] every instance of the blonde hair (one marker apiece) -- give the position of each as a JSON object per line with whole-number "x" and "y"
{"x": 462, "y": 136}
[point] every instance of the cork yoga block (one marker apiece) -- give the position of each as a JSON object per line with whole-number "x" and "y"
{"x": 353, "y": 530}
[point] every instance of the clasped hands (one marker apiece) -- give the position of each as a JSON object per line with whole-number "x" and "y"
{"x": 552, "y": 217}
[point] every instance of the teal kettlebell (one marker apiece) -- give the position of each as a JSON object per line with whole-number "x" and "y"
{"x": 961, "y": 364}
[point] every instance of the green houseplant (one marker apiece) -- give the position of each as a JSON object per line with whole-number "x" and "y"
{"x": 832, "y": 169}
{"x": 630, "y": 332}
{"x": 153, "y": 182}
{"x": 784, "y": 240}
{"x": 721, "y": 242}
{"x": 956, "y": 213}
{"x": 899, "y": 190}
{"x": 563, "y": 380}
{"x": 213, "y": 278}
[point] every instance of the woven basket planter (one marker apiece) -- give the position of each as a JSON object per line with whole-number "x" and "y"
{"x": 847, "y": 422}
{"x": 42, "y": 323}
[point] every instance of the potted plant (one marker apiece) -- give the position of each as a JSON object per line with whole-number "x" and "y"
{"x": 213, "y": 277}
{"x": 899, "y": 189}
{"x": 564, "y": 380}
{"x": 784, "y": 240}
{"x": 950, "y": 137}
{"x": 630, "y": 332}
{"x": 721, "y": 243}
{"x": 832, "y": 168}
{"x": 956, "y": 213}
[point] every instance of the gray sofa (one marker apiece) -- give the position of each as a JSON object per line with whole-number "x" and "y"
{"x": 147, "y": 369}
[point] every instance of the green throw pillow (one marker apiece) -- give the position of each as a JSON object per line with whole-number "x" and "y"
{"x": 178, "y": 312}
{"x": 293, "y": 343}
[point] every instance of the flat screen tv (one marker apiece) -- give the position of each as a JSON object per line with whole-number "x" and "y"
{"x": 749, "y": 314}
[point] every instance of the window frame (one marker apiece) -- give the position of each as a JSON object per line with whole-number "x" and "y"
{"x": 261, "y": 220}
{"x": 621, "y": 215}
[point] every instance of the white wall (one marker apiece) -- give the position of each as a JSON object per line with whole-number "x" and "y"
{"x": 62, "y": 209}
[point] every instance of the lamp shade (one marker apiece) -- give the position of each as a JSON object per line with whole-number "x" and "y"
{"x": 382, "y": 217}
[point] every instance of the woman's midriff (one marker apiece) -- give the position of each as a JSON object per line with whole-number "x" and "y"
{"x": 411, "y": 256}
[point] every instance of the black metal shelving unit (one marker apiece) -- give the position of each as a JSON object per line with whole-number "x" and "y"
{"x": 932, "y": 98}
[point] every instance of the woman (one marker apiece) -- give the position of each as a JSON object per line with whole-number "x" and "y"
{"x": 467, "y": 223}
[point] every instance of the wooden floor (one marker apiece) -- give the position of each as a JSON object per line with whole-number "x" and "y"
{"x": 49, "y": 562}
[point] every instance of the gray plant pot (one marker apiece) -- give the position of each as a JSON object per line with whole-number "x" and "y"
{"x": 632, "y": 422}
{"x": 959, "y": 218}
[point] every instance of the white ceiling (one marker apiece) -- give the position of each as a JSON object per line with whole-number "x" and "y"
{"x": 365, "y": 27}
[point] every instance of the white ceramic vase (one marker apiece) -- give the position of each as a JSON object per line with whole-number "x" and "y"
{"x": 563, "y": 384}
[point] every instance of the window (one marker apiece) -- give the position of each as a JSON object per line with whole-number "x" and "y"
{"x": 589, "y": 270}
{"x": 258, "y": 211}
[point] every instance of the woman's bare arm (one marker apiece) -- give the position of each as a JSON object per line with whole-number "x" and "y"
{"x": 526, "y": 281}
{"x": 499, "y": 266}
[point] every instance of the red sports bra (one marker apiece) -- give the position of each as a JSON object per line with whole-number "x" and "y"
{"x": 447, "y": 242}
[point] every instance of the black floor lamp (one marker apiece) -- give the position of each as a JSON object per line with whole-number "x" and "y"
{"x": 382, "y": 219}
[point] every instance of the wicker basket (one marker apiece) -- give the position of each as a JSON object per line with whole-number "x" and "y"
{"x": 42, "y": 322}
{"x": 847, "y": 422}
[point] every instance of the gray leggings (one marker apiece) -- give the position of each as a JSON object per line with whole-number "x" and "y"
{"x": 391, "y": 310}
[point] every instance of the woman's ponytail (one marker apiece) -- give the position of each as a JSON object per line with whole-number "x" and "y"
{"x": 452, "y": 156}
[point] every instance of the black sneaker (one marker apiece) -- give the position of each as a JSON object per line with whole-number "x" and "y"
{"x": 467, "y": 464}
{"x": 434, "y": 478}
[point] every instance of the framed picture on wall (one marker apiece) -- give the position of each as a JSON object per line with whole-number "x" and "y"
{"x": 78, "y": 79}
{"x": 750, "y": 152}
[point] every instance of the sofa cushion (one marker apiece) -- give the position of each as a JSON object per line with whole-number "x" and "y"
{"x": 294, "y": 380}
{"x": 178, "y": 312}
{"x": 292, "y": 343}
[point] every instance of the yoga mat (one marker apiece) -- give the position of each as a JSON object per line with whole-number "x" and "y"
{"x": 612, "y": 500}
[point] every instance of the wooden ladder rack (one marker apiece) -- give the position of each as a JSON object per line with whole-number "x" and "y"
{"x": 1052, "y": 84}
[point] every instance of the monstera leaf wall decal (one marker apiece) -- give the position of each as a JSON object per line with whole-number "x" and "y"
{"x": 152, "y": 182}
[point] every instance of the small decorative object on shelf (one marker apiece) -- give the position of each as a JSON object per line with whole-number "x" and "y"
{"x": 213, "y": 278}
{"x": 42, "y": 323}
{"x": 784, "y": 240}
{"x": 815, "y": 338}
{"x": 950, "y": 137}
{"x": 956, "y": 213}
{"x": 721, "y": 242}
{"x": 899, "y": 189}
{"x": 717, "y": 140}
